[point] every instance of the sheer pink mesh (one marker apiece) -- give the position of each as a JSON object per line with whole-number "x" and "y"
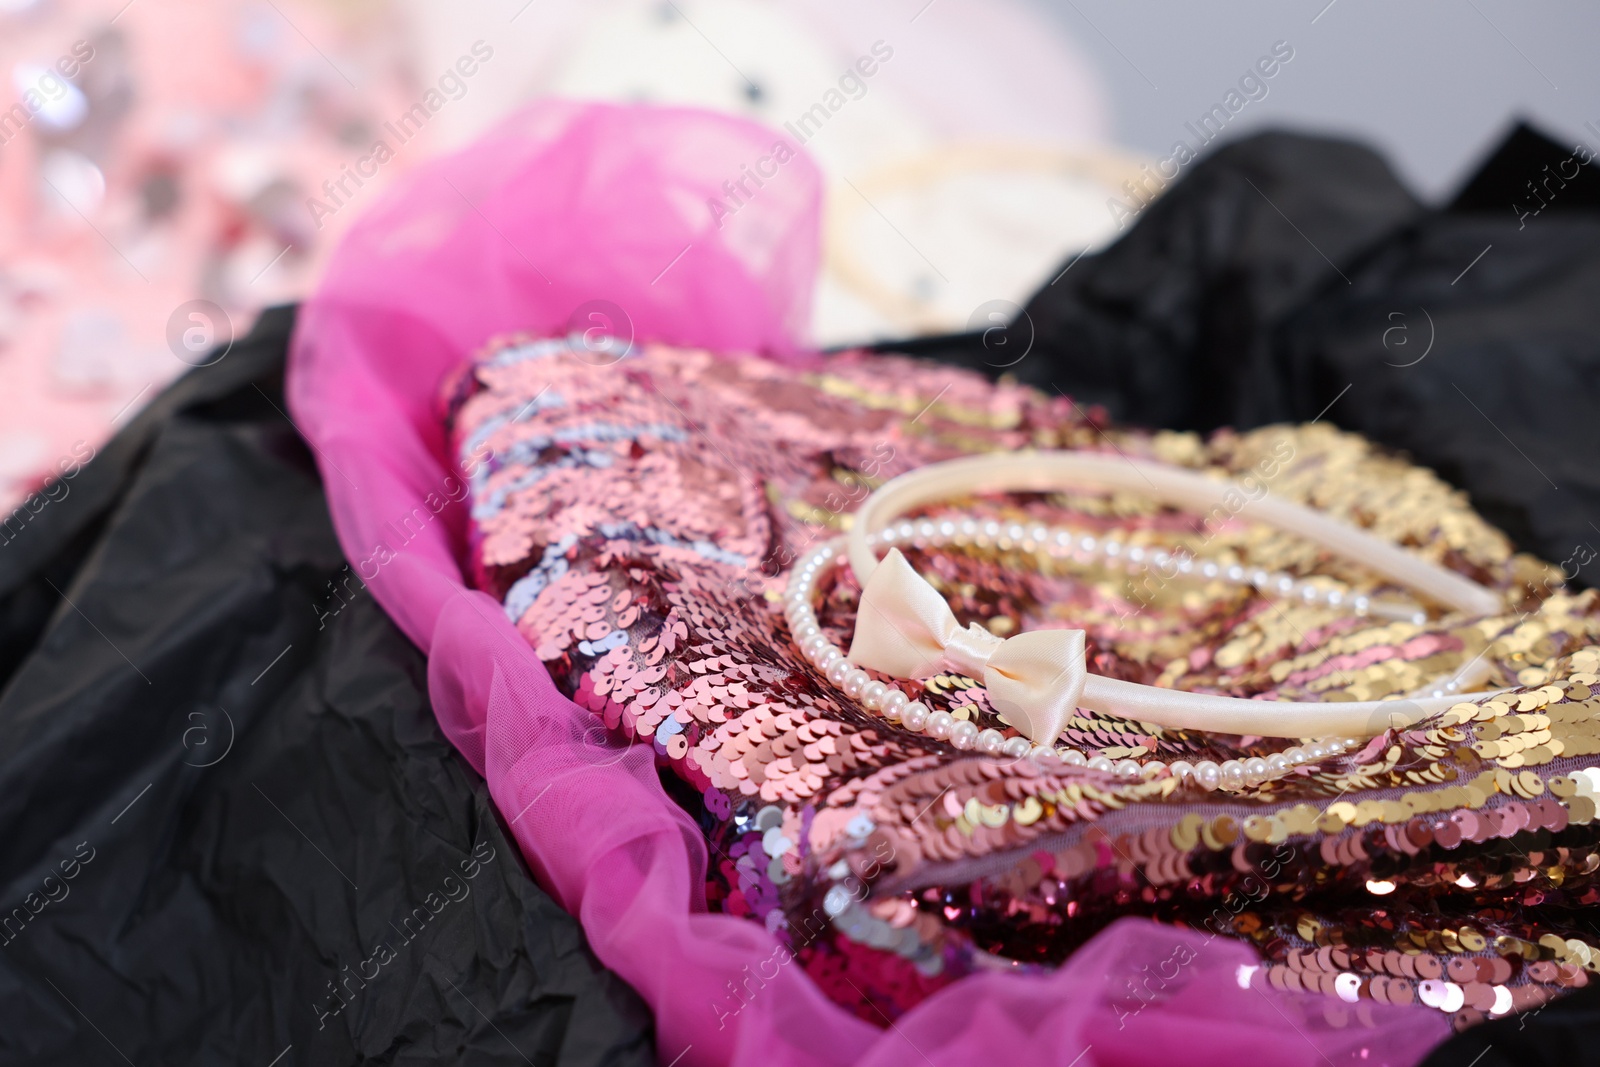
{"x": 567, "y": 204}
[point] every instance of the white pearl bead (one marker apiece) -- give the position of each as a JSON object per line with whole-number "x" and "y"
{"x": 806, "y": 631}
{"x": 914, "y": 715}
{"x": 947, "y": 529}
{"x": 1278, "y": 765}
{"x": 1235, "y": 573}
{"x": 1100, "y": 763}
{"x": 1135, "y": 554}
{"x": 1209, "y": 570}
{"x": 1316, "y": 753}
{"x": 1087, "y": 544}
{"x": 969, "y": 527}
{"x": 812, "y": 646}
{"x": 1361, "y": 605}
{"x": 1233, "y": 774}
{"x": 1039, "y": 535}
{"x": 894, "y": 704}
{"x": 1255, "y": 770}
{"x": 1074, "y": 758}
{"x": 1128, "y": 769}
{"x": 964, "y": 735}
{"x": 1335, "y": 596}
{"x": 829, "y": 657}
{"x": 1334, "y": 747}
{"x": 1016, "y": 747}
{"x": 854, "y": 682}
{"x": 1180, "y": 769}
{"x": 991, "y": 530}
{"x": 1186, "y": 565}
{"x": 1296, "y": 756}
{"x": 1112, "y": 548}
{"x": 939, "y": 725}
{"x": 989, "y": 742}
{"x": 1015, "y": 532}
{"x": 872, "y": 695}
{"x": 1207, "y": 775}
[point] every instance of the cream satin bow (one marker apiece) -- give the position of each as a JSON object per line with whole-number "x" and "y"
{"x": 905, "y": 629}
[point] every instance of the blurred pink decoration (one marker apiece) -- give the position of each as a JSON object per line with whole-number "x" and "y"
{"x": 152, "y": 154}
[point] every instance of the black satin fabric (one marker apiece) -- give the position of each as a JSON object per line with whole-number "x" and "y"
{"x": 1290, "y": 278}
{"x": 232, "y": 826}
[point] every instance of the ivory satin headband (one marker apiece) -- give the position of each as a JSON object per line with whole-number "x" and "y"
{"x": 906, "y": 630}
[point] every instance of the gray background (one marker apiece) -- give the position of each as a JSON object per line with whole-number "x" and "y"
{"x": 1432, "y": 84}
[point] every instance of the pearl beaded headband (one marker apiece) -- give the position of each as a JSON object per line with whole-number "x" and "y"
{"x": 895, "y": 706}
{"x": 906, "y": 630}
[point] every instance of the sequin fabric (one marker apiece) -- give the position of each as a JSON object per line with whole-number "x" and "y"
{"x": 637, "y": 519}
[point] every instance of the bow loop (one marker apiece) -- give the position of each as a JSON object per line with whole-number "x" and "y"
{"x": 906, "y": 630}
{"x": 969, "y": 651}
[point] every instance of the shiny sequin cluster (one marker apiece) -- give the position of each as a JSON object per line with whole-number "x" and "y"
{"x": 638, "y": 521}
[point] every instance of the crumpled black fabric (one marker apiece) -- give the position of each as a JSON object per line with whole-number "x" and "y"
{"x": 224, "y": 795}
{"x": 1286, "y": 278}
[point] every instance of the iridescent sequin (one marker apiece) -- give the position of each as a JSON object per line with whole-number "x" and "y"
{"x": 638, "y": 520}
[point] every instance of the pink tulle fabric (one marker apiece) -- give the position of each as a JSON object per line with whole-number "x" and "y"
{"x": 567, "y": 204}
